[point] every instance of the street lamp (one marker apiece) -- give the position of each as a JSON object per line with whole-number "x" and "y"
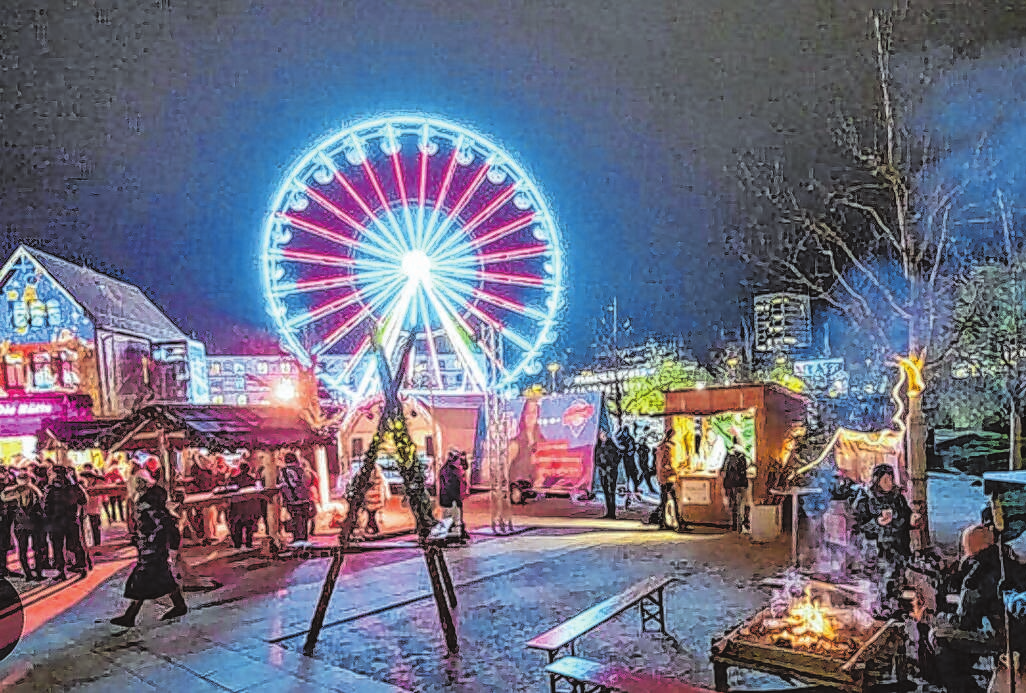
{"x": 553, "y": 368}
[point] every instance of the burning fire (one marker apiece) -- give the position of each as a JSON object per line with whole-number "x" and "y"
{"x": 807, "y": 618}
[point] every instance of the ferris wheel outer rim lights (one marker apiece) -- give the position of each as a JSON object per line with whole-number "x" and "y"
{"x": 524, "y": 184}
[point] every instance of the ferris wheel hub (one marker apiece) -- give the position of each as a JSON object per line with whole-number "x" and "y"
{"x": 417, "y": 266}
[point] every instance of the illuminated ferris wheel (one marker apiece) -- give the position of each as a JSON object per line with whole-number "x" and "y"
{"x": 413, "y": 225}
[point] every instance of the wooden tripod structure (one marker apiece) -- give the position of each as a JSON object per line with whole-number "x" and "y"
{"x": 393, "y": 423}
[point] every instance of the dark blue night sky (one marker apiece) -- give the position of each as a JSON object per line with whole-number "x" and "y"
{"x": 148, "y": 141}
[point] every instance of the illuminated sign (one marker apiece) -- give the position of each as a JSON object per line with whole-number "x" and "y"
{"x": 26, "y": 409}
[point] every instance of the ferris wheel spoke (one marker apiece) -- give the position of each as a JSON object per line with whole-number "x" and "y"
{"x": 308, "y": 285}
{"x": 480, "y": 315}
{"x": 450, "y": 169}
{"x": 397, "y": 168}
{"x": 334, "y": 209}
{"x": 496, "y": 234}
{"x": 386, "y": 238}
{"x": 524, "y": 253}
{"x": 437, "y": 234}
{"x": 506, "y": 304}
{"x": 341, "y": 331}
{"x": 317, "y": 230}
{"x": 357, "y": 355}
{"x": 312, "y": 258}
{"x": 456, "y": 339}
{"x": 446, "y": 247}
{"x": 323, "y": 311}
{"x": 422, "y": 184}
{"x": 384, "y": 201}
{"x": 429, "y": 337}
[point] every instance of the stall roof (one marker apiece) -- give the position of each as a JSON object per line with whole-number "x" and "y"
{"x": 215, "y": 427}
{"x": 713, "y": 400}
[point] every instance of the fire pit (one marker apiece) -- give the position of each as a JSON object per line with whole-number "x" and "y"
{"x": 816, "y": 638}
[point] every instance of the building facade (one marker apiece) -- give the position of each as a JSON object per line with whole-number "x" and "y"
{"x": 253, "y": 380}
{"x": 69, "y": 330}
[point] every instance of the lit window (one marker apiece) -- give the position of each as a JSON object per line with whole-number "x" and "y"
{"x": 262, "y": 367}
{"x": 242, "y": 399}
{"x": 239, "y": 368}
{"x": 14, "y": 371}
{"x": 42, "y": 372}
{"x": 53, "y": 313}
{"x": 215, "y": 369}
{"x": 37, "y": 313}
{"x": 286, "y": 367}
{"x": 217, "y": 399}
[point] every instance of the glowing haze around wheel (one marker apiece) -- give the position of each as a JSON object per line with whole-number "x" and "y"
{"x": 408, "y": 223}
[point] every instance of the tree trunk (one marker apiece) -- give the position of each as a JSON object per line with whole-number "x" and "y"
{"x": 915, "y": 451}
{"x": 1014, "y": 438}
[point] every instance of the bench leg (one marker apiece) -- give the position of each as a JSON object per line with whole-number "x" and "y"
{"x": 651, "y": 607}
{"x": 720, "y": 677}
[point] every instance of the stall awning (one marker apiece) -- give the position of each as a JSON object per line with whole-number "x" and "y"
{"x": 214, "y": 427}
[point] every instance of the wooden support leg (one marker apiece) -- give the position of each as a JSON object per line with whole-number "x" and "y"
{"x": 322, "y": 603}
{"x": 720, "y": 677}
{"x": 441, "y": 599}
{"x": 443, "y": 569}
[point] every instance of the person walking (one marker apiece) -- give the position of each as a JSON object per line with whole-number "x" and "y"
{"x": 204, "y": 480}
{"x": 114, "y": 503}
{"x": 25, "y": 501}
{"x": 666, "y": 475}
{"x": 607, "y": 462}
{"x": 38, "y": 475}
{"x": 628, "y": 449}
{"x": 735, "y": 482}
{"x": 452, "y": 489}
{"x": 155, "y": 537}
{"x": 294, "y": 483}
{"x": 93, "y": 506}
{"x": 61, "y": 501}
{"x": 645, "y": 467}
{"x": 376, "y": 498}
{"x": 243, "y": 514}
{"x": 6, "y": 520}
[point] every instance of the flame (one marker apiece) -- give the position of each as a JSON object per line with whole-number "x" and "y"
{"x": 809, "y": 615}
{"x": 912, "y": 365}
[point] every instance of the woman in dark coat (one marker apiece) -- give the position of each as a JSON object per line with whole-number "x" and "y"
{"x": 155, "y": 536}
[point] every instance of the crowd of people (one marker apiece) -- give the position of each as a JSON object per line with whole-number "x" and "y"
{"x": 42, "y": 509}
{"x": 630, "y": 450}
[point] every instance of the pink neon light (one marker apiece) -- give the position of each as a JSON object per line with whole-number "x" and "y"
{"x": 301, "y": 256}
{"x": 443, "y": 191}
{"x": 503, "y": 231}
{"x": 331, "y": 207}
{"x": 502, "y": 198}
{"x": 465, "y": 197}
{"x": 514, "y": 279}
{"x": 348, "y": 325}
{"x": 352, "y": 192}
{"x": 397, "y": 167}
{"x": 498, "y": 300}
{"x": 423, "y": 176}
{"x": 321, "y": 311}
{"x": 517, "y": 254}
{"x": 374, "y": 182}
{"x": 325, "y": 283}
{"x": 318, "y": 230}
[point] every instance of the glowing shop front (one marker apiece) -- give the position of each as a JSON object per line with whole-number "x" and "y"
{"x": 705, "y": 421}
{"x": 22, "y": 417}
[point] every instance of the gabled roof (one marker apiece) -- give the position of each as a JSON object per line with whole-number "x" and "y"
{"x": 113, "y": 305}
{"x": 216, "y": 427}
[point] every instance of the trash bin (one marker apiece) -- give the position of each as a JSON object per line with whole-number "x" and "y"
{"x": 765, "y": 523}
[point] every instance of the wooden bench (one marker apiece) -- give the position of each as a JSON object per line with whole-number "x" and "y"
{"x": 586, "y": 676}
{"x": 647, "y": 594}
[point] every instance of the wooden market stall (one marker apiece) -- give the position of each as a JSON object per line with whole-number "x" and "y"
{"x": 765, "y": 413}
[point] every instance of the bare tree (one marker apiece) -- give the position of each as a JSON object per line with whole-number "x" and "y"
{"x": 867, "y": 241}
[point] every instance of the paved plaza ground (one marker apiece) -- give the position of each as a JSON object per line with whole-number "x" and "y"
{"x": 382, "y": 628}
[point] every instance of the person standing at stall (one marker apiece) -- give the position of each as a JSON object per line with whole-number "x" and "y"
{"x": 61, "y": 501}
{"x": 94, "y": 504}
{"x": 155, "y": 537}
{"x": 645, "y": 467}
{"x": 243, "y": 514}
{"x": 607, "y": 462}
{"x": 666, "y": 475}
{"x": 294, "y": 483}
{"x": 114, "y": 503}
{"x": 25, "y": 501}
{"x": 735, "y": 482}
